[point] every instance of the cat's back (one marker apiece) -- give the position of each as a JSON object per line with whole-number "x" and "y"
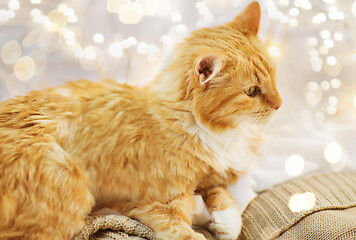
{"x": 58, "y": 103}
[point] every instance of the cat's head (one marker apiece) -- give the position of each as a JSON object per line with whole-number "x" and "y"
{"x": 230, "y": 78}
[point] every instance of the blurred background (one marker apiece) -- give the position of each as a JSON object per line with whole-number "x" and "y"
{"x": 45, "y": 43}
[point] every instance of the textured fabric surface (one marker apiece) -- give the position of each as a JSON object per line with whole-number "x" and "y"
{"x": 119, "y": 227}
{"x": 318, "y": 207}
{"x": 325, "y": 210}
{"x": 328, "y": 224}
{"x": 116, "y": 227}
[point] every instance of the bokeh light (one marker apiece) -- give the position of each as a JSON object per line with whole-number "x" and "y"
{"x": 11, "y": 52}
{"x": 131, "y": 13}
{"x": 294, "y": 165}
{"x": 98, "y": 38}
{"x": 115, "y": 50}
{"x": 274, "y": 51}
{"x": 302, "y": 202}
{"x": 25, "y": 68}
{"x": 333, "y": 152}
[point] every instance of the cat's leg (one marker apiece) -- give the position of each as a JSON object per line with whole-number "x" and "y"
{"x": 44, "y": 195}
{"x": 225, "y": 214}
{"x": 170, "y": 221}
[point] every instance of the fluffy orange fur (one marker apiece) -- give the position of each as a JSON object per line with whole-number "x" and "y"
{"x": 145, "y": 151}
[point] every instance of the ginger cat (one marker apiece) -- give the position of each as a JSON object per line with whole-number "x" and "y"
{"x": 146, "y": 151}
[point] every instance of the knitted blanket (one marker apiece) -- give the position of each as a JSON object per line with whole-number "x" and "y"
{"x": 318, "y": 207}
{"x": 118, "y": 227}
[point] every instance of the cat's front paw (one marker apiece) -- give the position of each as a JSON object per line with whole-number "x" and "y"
{"x": 226, "y": 224}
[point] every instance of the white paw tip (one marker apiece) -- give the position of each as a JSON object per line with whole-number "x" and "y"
{"x": 226, "y": 224}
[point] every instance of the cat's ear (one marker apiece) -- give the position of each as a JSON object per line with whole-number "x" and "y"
{"x": 249, "y": 19}
{"x": 208, "y": 66}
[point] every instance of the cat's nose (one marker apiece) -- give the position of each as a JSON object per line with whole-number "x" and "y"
{"x": 275, "y": 102}
{"x": 276, "y": 106}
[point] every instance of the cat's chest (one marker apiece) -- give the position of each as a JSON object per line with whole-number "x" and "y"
{"x": 232, "y": 149}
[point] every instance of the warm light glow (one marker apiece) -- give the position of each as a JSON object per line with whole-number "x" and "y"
{"x": 329, "y": 43}
{"x": 152, "y": 7}
{"x": 336, "y": 15}
{"x": 325, "y": 85}
{"x": 176, "y": 17}
{"x": 313, "y": 86}
{"x": 181, "y": 28}
{"x": 294, "y": 12}
{"x": 333, "y": 100}
{"x": 69, "y": 12}
{"x": 274, "y": 51}
{"x": 329, "y": 2}
{"x": 10, "y": 52}
{"x": 114, "y": 6}
{"x": 35, "y": 1}
{"x": 335, "y": 83}
{"x": 332, "y": 110}
{"x": 284, "y": 2}
{"x": 132, "y": 41}
{"x": 73, "y": 19}
{"x": 313, "y": 93}
{"x": 24, "y": 68}
{"x": 3, "y": 15}
{"x": 338, "y": 36}
{"x": 90, "y": 53}
{"x": 11, "y": 14}
{"x": 323, "y": 50}
{"x": 354, "y": 102}
{"x": 142, "y": 48}
{"x": 331, "y": 60}
{"x": 294, "y": 165}
{"x": 98, "y": 38}
{"x": 131, "y": 13}
{"x": 14, "y": 5}
{"x": 302, "y": 202}
{"x": 316, "y": 63}
{"x": 56, "y": 21}
{"x": 305, "y": 4}
{"x": 353, "y": 8}
{"x": 334, "y": 69}
{"x": 35, "y": 12}
{"x": 62, "y": 7}
{"x": 115, "y": 50}
{"x": 313, "y": 41}
{"x": 319, "y": 18}
{"x": 325, "y": 34}
{"x": 333, "y": 152}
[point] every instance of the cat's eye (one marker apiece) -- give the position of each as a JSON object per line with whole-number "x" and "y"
{"x": 252, "y": 91}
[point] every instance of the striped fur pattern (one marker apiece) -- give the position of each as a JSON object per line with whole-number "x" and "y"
{"x": 144, "y": 151}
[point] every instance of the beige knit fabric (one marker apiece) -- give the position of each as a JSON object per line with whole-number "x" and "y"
{"x": 329, "y": 202}
{"x": 119, "y": 227}
{"x": 330, "y": 214}
{"x": 116, "y": 227}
